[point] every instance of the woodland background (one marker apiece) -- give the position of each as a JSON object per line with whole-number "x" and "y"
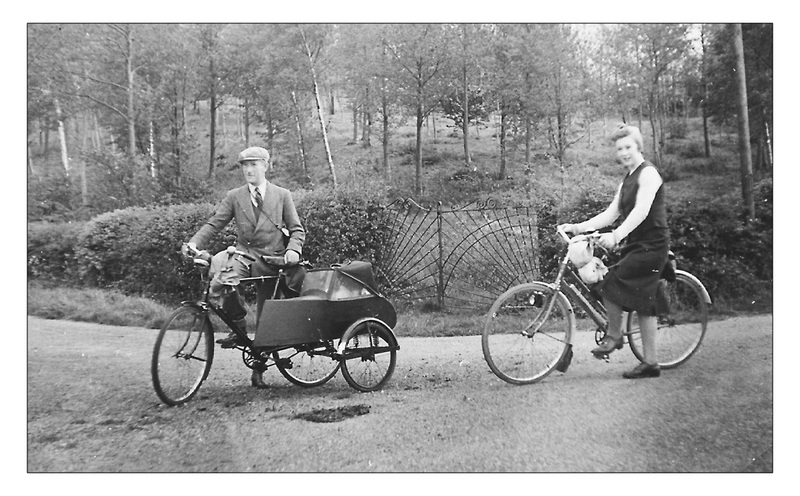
{"x": 133, "y": 132}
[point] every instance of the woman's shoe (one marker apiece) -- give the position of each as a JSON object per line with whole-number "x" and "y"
{"x": 607, "y": 345}
{"x": 643, "y": 370}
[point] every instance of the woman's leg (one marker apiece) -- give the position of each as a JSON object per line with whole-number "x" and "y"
{"x": 614, "y": 313}
{"x": 649, "y": 366}
{"x": 613, "y": 339}
{"x": 648, "y": 326}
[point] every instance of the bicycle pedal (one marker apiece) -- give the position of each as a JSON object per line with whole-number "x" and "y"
{"x": 602, "y": 356}
{"x": 286, "y": 363}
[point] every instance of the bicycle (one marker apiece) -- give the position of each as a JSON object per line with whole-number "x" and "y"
{"x": 528, "y": 331}
{"x": 296, "y": 335}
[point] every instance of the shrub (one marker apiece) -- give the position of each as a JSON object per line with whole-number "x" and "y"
{"x": 711, "y": 241}
{"x": 341, "y": 226}
{"x": 137, "y": 250}
{"x": 51, "y": 253}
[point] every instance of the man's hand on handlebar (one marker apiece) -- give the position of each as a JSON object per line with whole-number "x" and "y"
{"x": 291, "y": 257}
{"x": 189, "y": 249}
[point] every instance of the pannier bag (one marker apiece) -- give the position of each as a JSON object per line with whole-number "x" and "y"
{"x": 581, "y": 253}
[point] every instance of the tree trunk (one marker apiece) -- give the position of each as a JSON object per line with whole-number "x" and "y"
{"x": 366, "y": 127}
{"x": 151, "y": 135}
{"x": 502, "y": 173}
{"x": 96, "y": 140}
{"x": 768, "y": 140}
{"x": 31, "y": 170}
{"x": 62, "y": 137}
{"x": 745, "y": 158}
{"x": 246, "y": 118}
{"x": 465, "y": 107}
{"x": 465, "y": 114}
{"x": 528, "y": 137}
{"x": 418, "y": 151}
{"x": 355, "y": 122}
{"x": 385, "y": 106}
{"x": 85, "y": 135}
{"x": 331, "y": 167}
{"x": 212, "y": 145}
{"x": 270, "y": 132}
{"x": 300, "y": 142}
{"x": 131, "y": 115}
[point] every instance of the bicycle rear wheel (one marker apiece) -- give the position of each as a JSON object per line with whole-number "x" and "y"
{"x": 682, "y": 323}
{"x": 522, "y": 342}
{"x": 182, "y": 355}
{"x": 306, "y": 366}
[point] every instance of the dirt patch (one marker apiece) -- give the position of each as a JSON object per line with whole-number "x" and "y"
{"x": 333, "y": 414}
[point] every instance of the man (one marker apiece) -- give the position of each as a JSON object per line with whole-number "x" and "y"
{"x": 266, "y": 224}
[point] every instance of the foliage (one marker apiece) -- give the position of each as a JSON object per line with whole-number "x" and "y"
{"x": 341, "y": 227}
{"x": 137, "y": 250}
{"x": 51, "y": 250}
{"x": 711, "y": 241}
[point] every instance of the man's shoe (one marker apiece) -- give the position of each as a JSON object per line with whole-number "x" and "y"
{"x": 608, "y": 345}
{"x": 257, "y": 381}
{"x": 643, "y": 370}
{"x": 231, "y": 341}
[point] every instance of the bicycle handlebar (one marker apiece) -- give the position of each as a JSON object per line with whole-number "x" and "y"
{"x": 276, "y": 261}
{"x": 567, "y": 239}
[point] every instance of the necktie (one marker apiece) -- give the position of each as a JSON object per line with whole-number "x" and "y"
{"x": 259, "y": 202}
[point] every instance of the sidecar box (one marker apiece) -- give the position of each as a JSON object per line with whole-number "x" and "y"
{"x": 330, "y": 301}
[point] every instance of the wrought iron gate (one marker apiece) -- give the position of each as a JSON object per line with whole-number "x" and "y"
{"x": 459, "y": 257}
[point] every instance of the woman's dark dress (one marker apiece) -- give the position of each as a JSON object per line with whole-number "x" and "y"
{"x": 632, "y": 282}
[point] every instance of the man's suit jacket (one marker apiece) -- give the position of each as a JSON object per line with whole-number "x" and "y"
{"x": 257, "y": 238}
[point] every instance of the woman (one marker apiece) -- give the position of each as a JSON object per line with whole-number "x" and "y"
{"x": 631, "y": 284}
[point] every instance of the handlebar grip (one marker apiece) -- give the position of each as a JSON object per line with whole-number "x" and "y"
{"x": 278, "y": 261}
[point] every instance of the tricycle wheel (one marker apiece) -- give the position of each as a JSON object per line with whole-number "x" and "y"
{"x": 369, "y": 355}
{"x": 306, "y": 366}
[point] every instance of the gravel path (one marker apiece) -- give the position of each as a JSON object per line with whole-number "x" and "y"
{"x": 91, "y": 408}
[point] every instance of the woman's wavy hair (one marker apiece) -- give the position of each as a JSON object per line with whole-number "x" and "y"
{"x": 625, "y": 130}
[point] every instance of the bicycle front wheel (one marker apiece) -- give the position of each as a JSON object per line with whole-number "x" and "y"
{"x": 682, "y": 322}
{"x": 306, "y": 366}
{"x": 182, "y": 355}
{"x": 523, "y": 342}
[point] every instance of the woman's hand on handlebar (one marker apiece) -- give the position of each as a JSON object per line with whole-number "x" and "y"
{"x": 607, "y": 240}
{"x": 572, "y": 229}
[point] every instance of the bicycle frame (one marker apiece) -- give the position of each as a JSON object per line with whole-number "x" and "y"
{"x": 206, "y": 305}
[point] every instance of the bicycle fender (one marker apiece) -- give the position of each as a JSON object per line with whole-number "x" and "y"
{"x": 561, "y": 296}
{"x": 351, "y": 329}
{"x": 696, "y": 281}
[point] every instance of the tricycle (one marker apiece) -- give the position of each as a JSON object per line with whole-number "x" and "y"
{"x": 297, "y": 335}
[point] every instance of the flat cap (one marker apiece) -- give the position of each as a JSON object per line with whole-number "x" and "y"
{"x": 254, "y": 153}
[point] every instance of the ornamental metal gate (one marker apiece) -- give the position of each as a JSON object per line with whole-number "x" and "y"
{"x": 458, "y": 257}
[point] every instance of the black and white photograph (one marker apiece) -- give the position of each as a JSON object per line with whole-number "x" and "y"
{"x": 409, "y": 247}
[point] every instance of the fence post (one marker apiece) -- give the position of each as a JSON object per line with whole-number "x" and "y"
{"x": 440, "y": 258}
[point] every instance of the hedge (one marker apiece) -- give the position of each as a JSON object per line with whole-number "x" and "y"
{"x": 137, "y": 250}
